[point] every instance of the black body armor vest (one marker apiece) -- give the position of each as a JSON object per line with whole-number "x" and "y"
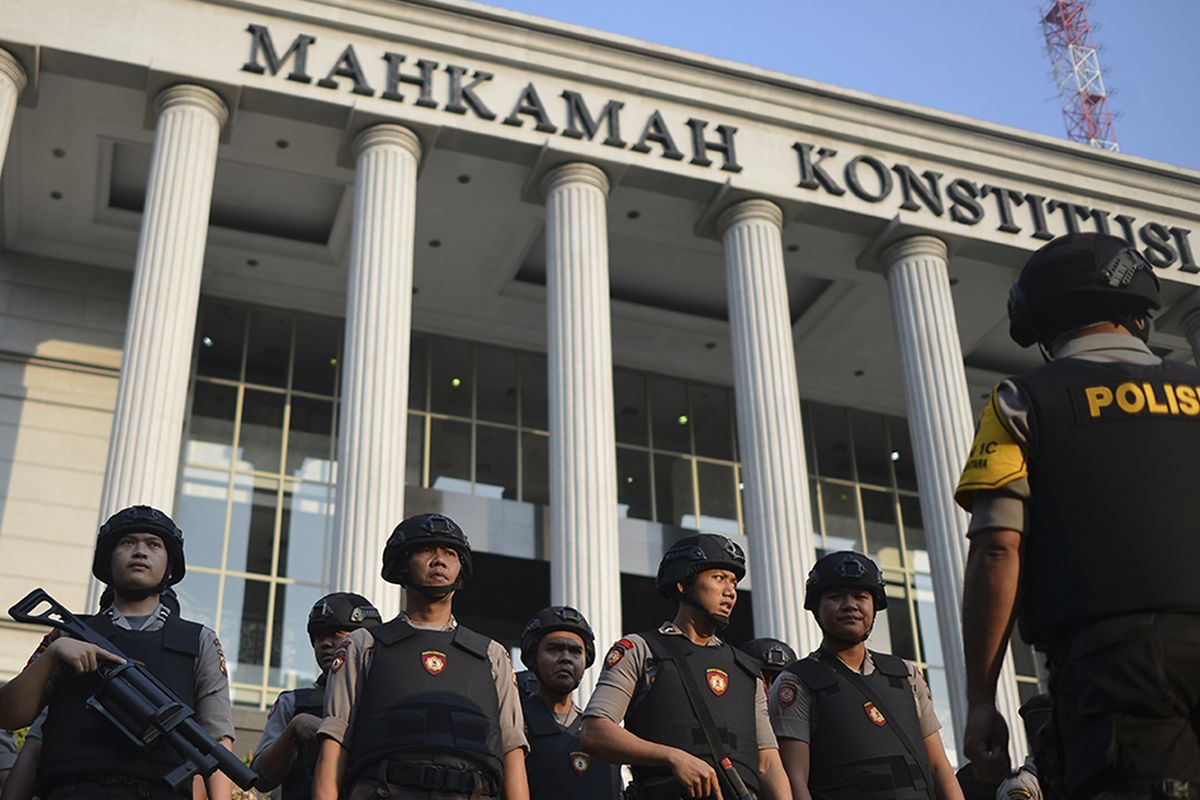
{"x": 79, "y": 742}
{"x": 1113, "y": 507}
{"x": 557, "y": 767}
{"x": 297, "y": 785}
{"x": 855, "y": 752}
{"x": 429, "y": 696}
{"x": 728, "y": 680}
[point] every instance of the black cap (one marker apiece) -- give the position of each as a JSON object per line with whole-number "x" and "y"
{"x": 342, "y": 611}
{"x": 697, "y": 553}
{"x": 842, "y": 569}
{"x": 139, "y": 519}
{"x": 549, "y": 620}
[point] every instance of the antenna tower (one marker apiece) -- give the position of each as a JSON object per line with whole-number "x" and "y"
{"x": 1077, "y": 71}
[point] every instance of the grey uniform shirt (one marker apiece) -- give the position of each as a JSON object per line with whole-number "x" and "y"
{"x": 1004, "y": 508}
{"x": 1022, "y": 784}
{"x": 352, "y": 663}
{"x": 791, "y": 702}
{"x": 278, "y": 718}
{"x": 625, "y": 680}
{"x": 212, "y": 704}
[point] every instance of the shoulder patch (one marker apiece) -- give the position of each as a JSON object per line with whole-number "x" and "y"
{"x": 617, "y": 652}
{"x": 787, "y": 695}
{"x": 996, "y": 458}
{"x": 220, "y": 656}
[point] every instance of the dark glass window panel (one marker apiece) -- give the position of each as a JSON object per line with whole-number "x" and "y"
{"x": 673, "y": 490}
{"x": 535, "y": 468}
{"x": 243, "y": 630}
{"x": 810, "y": 456}
{"x": 450, "y": 456}
{"x": 221, "y": 339}
{"x": 840, "y": 506}
{"x": 629, "y": 405}
{"x": 1024, "y": 658}
{"x": 534, "y": 391}
{"x": 318, "y": 348}
{"x": 496, "y": 385}
{"x": 270, "y": 347}
{"x": 260, "y": 441}
{"x": 633, "y": 483}
{"x": 669, "y": 416}
{"x": 252, "y": 524}
{"x": 418, "y": 372}
{"x": 293, "y": 662}
{"x": 879, "y": 520}
{"x": 813, "y": 508}
{"x": 452, "y": 382}
{"x": 310, "y": 440}
{"x": 1027, "y": 691}
{"x": 210, "y": 430}
{"x": 414, "y": 461}
{"x": 927, "y": 625}
{"x": 712, "y": 421}
{"x": 495, "y": 462}
{"x": 718, "y": 499}
{"x": 831, "y": 441}
{"x": 197, "y": 594}
{"x": 903, "y": 462}
{"x": 200, "y": 513}
{"x": 898, "y": 619}
{"x": 914, "y": 533}
{"x": 871, "y": 454}
{"x": 939, "y": 689}
{"x": 306, "y": 521}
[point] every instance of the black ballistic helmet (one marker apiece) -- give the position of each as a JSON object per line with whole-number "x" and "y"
{"x": 1077, "y": 280}
{"x": 843, "y": 569}
{"x": 774, "y": 654}
{"x": 342, "y": 611}
{"x": 139, "y": 519}
{"x": 694, "y": 554}
{"x": 549, "y": 620}
{"x": 425, "y": 530}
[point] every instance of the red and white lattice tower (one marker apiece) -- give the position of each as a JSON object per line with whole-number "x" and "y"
{"x": 1077, "y": 72}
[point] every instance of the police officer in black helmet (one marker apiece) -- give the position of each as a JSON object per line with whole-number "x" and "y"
{"x": 286, "y": 754}
{"x": 139, "y": 553}
{"x": 557, "y": 646}
{"x": 422, "y": 708}
{"x": 642, "y": 683}
{"x": 774, "y": 656}
{"x": 1081, "y": 483}
{"x": 854, "y": 724}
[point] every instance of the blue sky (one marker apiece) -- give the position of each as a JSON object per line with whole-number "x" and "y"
{"x": 982, "y": 58}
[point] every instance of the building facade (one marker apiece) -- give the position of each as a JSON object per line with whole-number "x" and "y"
{"x": 294, "y": 270}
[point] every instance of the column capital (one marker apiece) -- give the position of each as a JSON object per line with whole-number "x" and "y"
{"x": 12, "y": 69}
{"x": 910, "y": 246}
{"x": 388, "y": 134}
{"x": 186, "y": 94}
{"x": 756, "y": 209}
{"x": 575, "y": 172}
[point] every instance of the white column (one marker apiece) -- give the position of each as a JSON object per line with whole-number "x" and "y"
{"x": 770, "y": 436}
{"x": 585, "y": 569}
{"x": 374, "y": 400}
{"x": 1191, "y": 329}
{"x": 942, "y": 427}
{"x": 12, "y": 83}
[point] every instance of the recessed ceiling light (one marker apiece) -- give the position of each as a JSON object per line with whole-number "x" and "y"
{"x": 456, "y": 382}
{"x": 207, "y": 341}
{"x": 251, "y": 262}
{"x": 58, "y": 152}
{"x": 710, "y": 345}
{"x": 435, "y": 242}
{"x": 682, "y": 419}
{"x": 858, "y": 373}
{"x": 56, "y": 195}
{"x": 791, "y": 248}
{"x": 633, "y": 214}
{"x": 282, "y": 144}
{"x": 954, "y": 281}
{"x": 464, "y": 178}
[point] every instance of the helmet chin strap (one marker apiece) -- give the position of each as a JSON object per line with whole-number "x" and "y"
{"x": 837, "y": 640}
{"x": 137, "y": 595}
{"x": 719, "y": 621}
{"x": 434, "y": 592}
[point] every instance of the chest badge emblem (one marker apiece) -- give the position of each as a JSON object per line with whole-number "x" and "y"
{"x": 433, "y": 661}
{"x": 580, "y": 762}
{"x": 874, "y": 714}
{"x": 718, "y": 681}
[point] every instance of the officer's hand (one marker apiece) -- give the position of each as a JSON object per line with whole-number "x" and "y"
{"x": 81, "y": 656}
{"x": 985, "y": 743}
{"x": 304, "y": 727}
{"x": 697, "y": 776}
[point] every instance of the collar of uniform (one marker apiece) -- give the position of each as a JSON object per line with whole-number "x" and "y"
{"x": 1108, "y": 344}
{"x": 670, "y": 629}
{"x": 868, "y": 665}
{"x": 449, "y": 626}
{"x": 153, "y": 622}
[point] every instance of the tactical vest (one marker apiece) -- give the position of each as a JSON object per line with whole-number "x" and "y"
{"x": 556, "y": 766}
{"x": 728, "y": 681}
{"x": 429, "y": 696}
{"x": 297, "y": 785}
{"x": 855, "y": 752}
{"x": 1113, "y": 506}
{"x": 78, "y": 742}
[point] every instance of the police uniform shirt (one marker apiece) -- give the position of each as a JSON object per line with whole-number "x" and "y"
{"x": 1022, "y": 784}
{"x": 212, "y": 707}
{"x": 281, "y": 713}
{"x": 352, "y": 662}
{"x": 627, "y": 676}
{"x": 791, "y": 702}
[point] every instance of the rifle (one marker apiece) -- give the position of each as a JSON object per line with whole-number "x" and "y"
{"x": 141, "y": 706}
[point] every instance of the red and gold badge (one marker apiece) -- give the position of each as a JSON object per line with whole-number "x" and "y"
{"x": 718, "y": 680}
{"x": 617, "y": 652}
{"x": 580, "y": 762}
{"x": 433, "y": 662}
{"x": 787, "y": 695}
{"x": 874, "y": 714}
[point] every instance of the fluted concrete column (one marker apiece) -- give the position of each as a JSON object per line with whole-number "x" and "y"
{"x": 770, "y": 436}
{"x": 373, "y": 418}
{"x": 12, "y": 83}
{"x": 585, "y": 570}
{"x": 942, "y": 427}
{"x": 1191, "y": 329}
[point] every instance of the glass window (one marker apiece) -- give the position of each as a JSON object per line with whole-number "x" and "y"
{"x": 712, "y": 421}
{"x": 414, "y": 461}
{"x": 718, "y": 498}
{"x": 306, "y": 523}
{"x": 879, "y": 520}
{"x": 871, "y": 454}
{"x": 903, "y": 462}
{"x": 633, "y": 483}
{"x": 310, "y": 440}
{"x": 243, "y": 629}
{"x": 901, "y": 641}
{"x": 260, "y": 443}
{"x": 197, "y": 594}
{"x": 839, "y": 505}
{"x": 673, "y": 491}
{"x": 450, "y": 456}
{"x": 200, "y": 513}
{"x": 221, "y": 339}
{"x": 534, "y": 391}
{"x": 418, "y": 372}
{"x": 452, "y": 378}
{"x": 293, "y": 662}
{"x": 268, "y": 355}
{"x": 629, "y": 404}
{"x": 496, "y": 385}
{"x": 914, "y": 533}
{"x": 535, "y": 468}
{"x": 496, "y": 462}
{"x": 252, "y": 524}
{"x": 210, "y": 430}
{"x": 318, "y": 347}
{"x": 669, "y": 416}
{"x": 831, "y": 441}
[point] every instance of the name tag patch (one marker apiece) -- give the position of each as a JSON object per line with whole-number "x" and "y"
{"x": 1134, "y": 400}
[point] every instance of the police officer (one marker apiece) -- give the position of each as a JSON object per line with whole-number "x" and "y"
{"x": 854, "y": 724}
{"x": 422, "y": 707}
{"x": 286, "y": 755}
{"x": 642, "y": 683}
{"x": 557, "y": 646}
{"x": 1084, "y": 506}
{"x": 139, "y": 552}
{"x": 772, "y": 654}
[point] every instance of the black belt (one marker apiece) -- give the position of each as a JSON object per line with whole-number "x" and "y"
{"x": 432, "y": 777}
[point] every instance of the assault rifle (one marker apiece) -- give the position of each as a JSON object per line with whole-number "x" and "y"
{"x": 140, "y": 705}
